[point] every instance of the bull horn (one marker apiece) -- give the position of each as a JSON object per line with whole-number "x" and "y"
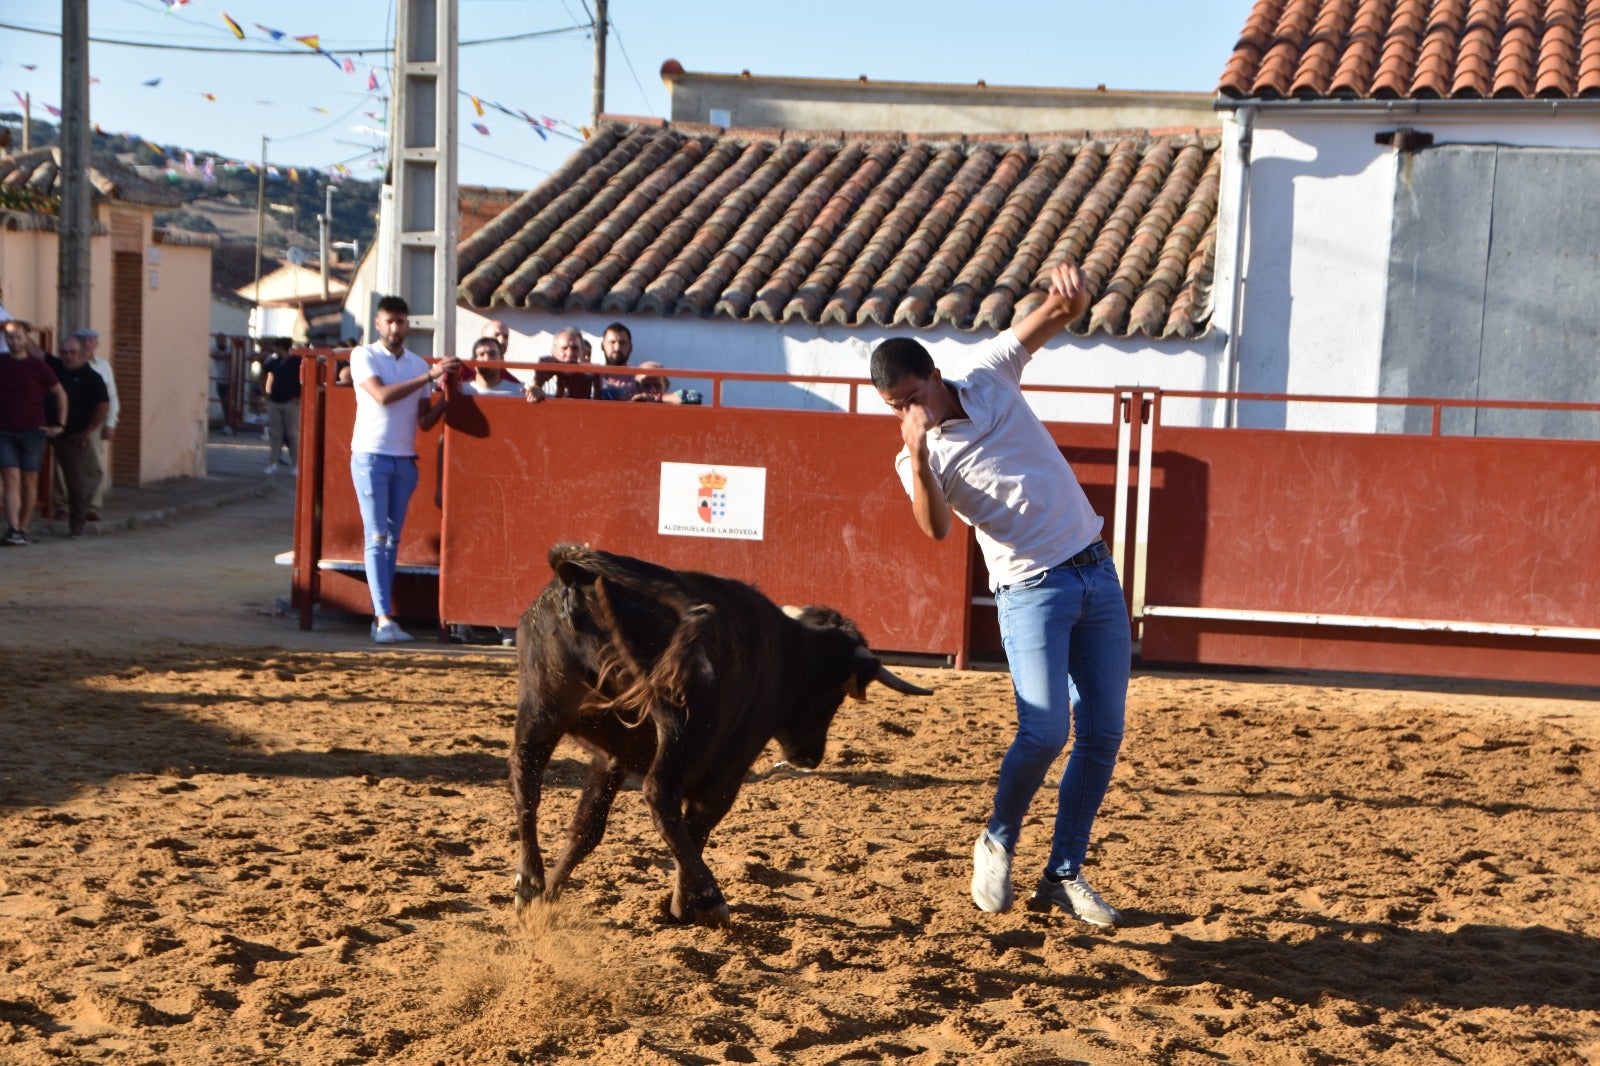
{"x": 904, "y": 687}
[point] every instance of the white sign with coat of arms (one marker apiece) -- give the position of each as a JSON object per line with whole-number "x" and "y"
{"x": 702, "y": 500}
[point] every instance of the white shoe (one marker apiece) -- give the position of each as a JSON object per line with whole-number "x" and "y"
{"x": 991, "y": 876}
{"x": 390, "y": 633}
{"x": 273, "y": 469}
{"x": 1076, "y": 897}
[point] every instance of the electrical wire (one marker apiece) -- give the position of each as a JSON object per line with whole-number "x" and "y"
{"x": 294, "y": 52}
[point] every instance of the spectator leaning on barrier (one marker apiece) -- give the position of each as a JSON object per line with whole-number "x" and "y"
{"x": 486, "y": 380}
{"x": 394, "y": 398}
{"x": 33, "y": 407}
{"x": 566, "y": 349}
{"x": 616, "y": 346}
{"x": 657, "y": 388}
{"x": 87, "y": 403}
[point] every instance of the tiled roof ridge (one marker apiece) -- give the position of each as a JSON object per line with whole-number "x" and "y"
{"x": 783, "y": 133}
{"x": 1417, "y": 49}
{"x": 859, "y": 231}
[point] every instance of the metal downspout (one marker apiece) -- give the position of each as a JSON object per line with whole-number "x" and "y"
{"x": 1230, "y": 349}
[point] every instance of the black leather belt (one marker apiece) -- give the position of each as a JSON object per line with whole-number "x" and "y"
{"x": 1090, "y": 555}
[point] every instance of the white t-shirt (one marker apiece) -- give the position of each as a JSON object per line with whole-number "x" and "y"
{"x": 477, "y": 387}
{"x": 386, "y": 429}
{"x": 1003, "y": 475}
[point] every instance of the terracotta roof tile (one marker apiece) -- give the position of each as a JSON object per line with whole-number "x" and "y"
{"x": 1424, "y": 49}
{"x": 39, "y": 170}
{"x": 857, "y": 230}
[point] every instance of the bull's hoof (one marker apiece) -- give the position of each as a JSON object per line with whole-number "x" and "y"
{"x": 710, "y": 910}
{"x": 525, "y": 892}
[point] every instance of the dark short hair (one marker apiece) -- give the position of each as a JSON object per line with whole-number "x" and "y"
{"x": 493, "y": 342}
{"x": 618, "y": 327}
{"x": 897, "y": 357}
{"x": 393, "y": 305}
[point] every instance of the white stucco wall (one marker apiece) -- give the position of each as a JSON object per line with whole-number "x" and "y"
{"x": 1311, "y": 296}
{"x": 175, "y": 365}
{"x": 835, "y": 351}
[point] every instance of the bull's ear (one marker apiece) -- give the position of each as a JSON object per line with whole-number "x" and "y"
{"x": 864, "y": 667}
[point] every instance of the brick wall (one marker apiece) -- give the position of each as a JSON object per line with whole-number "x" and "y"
{"x": 126, "y": 355}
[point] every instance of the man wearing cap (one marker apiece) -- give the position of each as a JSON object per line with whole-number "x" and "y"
{"x": 96, "y": 468}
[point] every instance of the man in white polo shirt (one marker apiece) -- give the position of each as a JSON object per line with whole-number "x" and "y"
{"x": 975, "y": 449}
{"x": 383, "y": 448}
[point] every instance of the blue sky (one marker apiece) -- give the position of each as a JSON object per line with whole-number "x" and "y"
{"x": 317, "y": 115}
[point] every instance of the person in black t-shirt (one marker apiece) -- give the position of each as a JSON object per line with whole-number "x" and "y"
{"x": 88, "y": 400}
{"x": 280, "y": 378}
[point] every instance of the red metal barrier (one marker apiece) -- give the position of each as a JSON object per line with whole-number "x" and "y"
{"x": 1449, "y": 556}
{"x": 1394, "y": 553}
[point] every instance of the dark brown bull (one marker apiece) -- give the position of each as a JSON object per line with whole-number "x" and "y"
{"x": 682, "y": 678}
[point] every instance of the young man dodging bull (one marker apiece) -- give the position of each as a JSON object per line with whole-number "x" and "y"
{"x": 973, "y": 448}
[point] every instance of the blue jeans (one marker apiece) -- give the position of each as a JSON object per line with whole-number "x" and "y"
{"x": 384, "y": 484}
{"x": 1069, "y": 645}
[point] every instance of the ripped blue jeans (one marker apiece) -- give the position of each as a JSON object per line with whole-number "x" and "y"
{"x": 384, "y": 484}
{"x": 1069, "y": 646}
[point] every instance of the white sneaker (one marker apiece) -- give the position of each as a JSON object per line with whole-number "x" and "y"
{"x": 1076, "y": 897}
{"x": 390, "y": 633}
{"x": 991, "y": 876}
{"x": 273, "y": 469}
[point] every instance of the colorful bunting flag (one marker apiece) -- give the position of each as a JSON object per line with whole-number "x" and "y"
{"x": 481, "y": 128}
{"x": 208, "y": 173}
{"x": 311, "y": 41}
{"x": 210, "y": 96}
{"x": 23, "y": 100}
{"x": 238, "y": 30}
{"x": 477, "y": 105}
{"x": 30, "y": 66}
{"x": 276, "y": 35}
{"x": 294, "y": 175}
{"x": 54, "y": 111}
{"x": 188, "y": 162}
{"x": 372, "y": 79}
{"x": 349, "y": 66}
{"x": 152, "y": 83}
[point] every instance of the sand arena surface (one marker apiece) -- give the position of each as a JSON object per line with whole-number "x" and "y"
{"x": 244, "y": 852}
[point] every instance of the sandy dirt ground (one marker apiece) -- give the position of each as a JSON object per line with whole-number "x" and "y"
{"x": 226, "y": 841}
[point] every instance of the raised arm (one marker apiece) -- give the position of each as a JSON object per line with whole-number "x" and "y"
{"x": 1068, "y": 298}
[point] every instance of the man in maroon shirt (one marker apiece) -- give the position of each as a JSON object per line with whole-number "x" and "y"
{"x": 27, "y": 420}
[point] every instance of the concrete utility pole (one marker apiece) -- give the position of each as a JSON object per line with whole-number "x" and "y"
{"x": 261, "y": 229}
{"x": 324, "y": 222}
{"x": 599, "y": 62}
{"x": 27, "y": 121}
{"x": 72, "y": 274}
{"x": 419, "y": 229}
